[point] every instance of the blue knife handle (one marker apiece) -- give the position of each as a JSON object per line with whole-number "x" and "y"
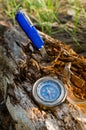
{"x": 29, "y": 29}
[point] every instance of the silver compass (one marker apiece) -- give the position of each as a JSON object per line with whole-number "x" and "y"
{"x": 49, "y": 92}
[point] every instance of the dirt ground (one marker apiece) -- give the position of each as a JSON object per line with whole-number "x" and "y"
{"x": 66, "y": 17}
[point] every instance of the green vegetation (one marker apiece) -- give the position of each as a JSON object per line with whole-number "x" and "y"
{"x": 11, "y": 8}
{"x": 76, "y": 8}
{"x": 45, "y": 12}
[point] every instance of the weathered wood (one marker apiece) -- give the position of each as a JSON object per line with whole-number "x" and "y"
{"x": 21, "y": 65}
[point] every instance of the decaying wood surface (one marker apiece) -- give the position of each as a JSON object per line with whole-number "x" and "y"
{"x": 21, "y": 65}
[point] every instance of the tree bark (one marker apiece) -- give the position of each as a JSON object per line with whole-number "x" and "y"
{"x": 21, "y": 65}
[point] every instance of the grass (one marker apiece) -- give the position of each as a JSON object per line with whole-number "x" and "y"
{"x": 11, "y": 8}
{"x": 77, "y": 9}
{"x": 45, "y": 13}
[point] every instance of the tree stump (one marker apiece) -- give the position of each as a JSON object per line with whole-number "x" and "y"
{"x": 21, "y": 65}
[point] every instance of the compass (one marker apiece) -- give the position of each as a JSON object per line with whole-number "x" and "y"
{"x": 49, "y": 92}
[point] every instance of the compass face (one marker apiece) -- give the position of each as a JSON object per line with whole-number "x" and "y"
{"x": 48, "y": 91}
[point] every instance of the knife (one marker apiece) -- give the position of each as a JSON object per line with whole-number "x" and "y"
{"x": 31, "y": 32}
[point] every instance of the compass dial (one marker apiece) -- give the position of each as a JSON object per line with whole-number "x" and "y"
{"x": 48, "y": 91}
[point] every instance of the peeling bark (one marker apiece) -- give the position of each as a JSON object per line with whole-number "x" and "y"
{"x": 21, "y": 65}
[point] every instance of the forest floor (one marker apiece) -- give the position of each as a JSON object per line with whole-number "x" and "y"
{"x": 63, "y": 35}
{"x": 66, "y": 16}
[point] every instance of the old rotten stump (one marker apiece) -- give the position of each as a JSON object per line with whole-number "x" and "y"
{"x": 21, "y": 65}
